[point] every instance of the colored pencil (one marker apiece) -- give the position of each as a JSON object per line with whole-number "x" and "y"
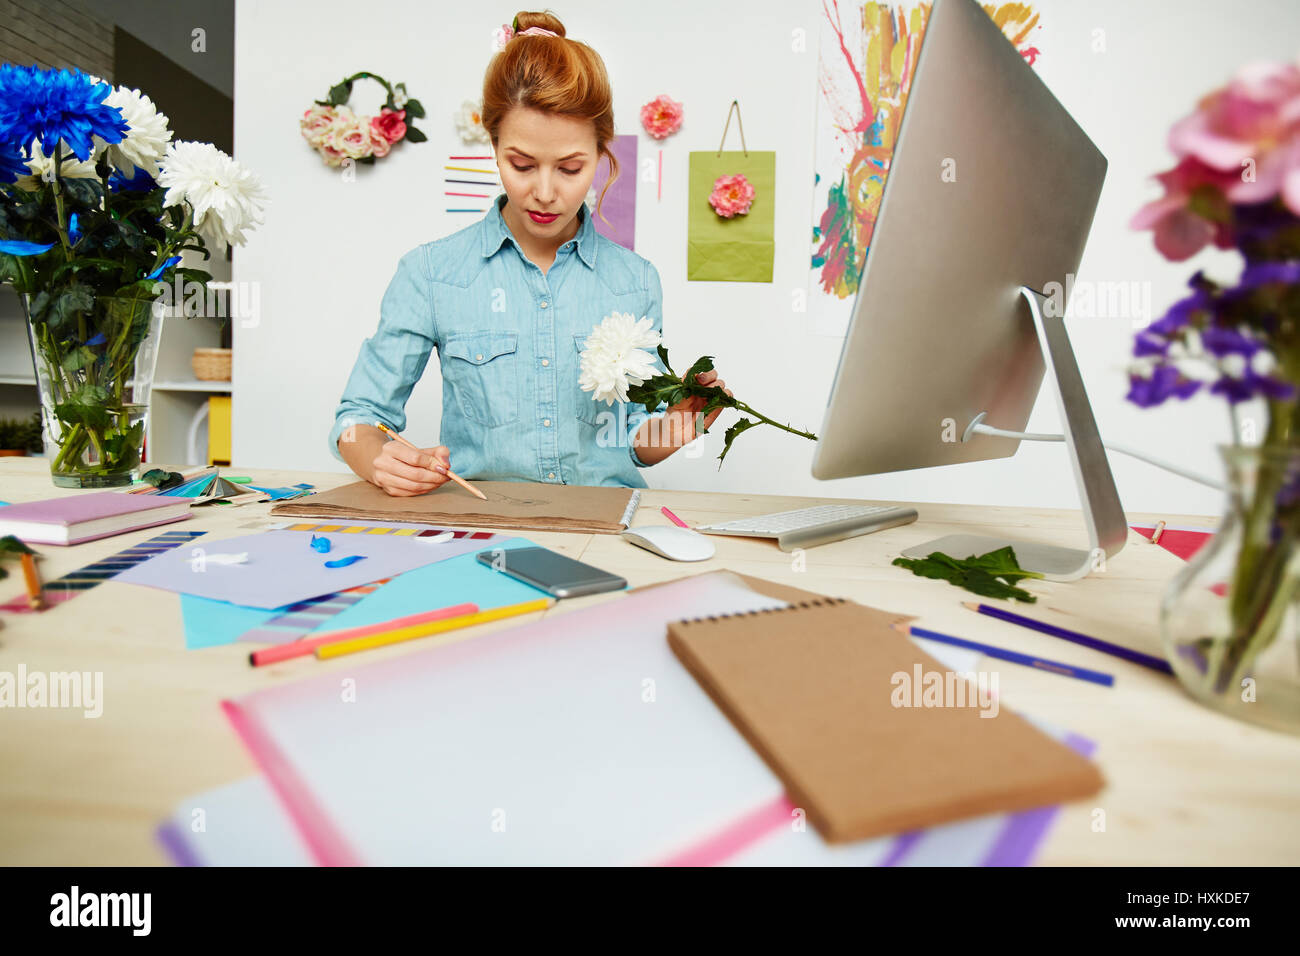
{"x": 400, "y": 634}
{"x": 1155, "y": 534}
{"x": 450, "y": 474}
{"x": 307, "y": 645}
{"x": 673, "y": 518}
{"x": 34, "y": 596}
{"x": 1038, "y": 663}
{"x": 469, "y": 169}
{"x": 1065, "y": 634}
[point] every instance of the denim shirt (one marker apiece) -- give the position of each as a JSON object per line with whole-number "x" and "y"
{"x": 508, "y": 338}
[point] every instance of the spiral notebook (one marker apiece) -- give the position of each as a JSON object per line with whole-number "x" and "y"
{"x": 825, "y": 692}
{"x": 510, "y": 505}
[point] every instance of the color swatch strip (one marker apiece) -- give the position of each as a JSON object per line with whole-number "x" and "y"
{"x": 75, "y": 582}
{"x": 401, "y": 532}
{"x": 306, "y": 616}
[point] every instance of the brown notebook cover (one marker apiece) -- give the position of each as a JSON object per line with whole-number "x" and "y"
{"x": 812, "y": 688}
{"x": 510, "y": 505}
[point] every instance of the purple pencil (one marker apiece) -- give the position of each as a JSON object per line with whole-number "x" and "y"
{"x": 1065, "y": 634}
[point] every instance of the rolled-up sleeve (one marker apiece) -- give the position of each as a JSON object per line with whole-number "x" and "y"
{"x": 637, "y": 414}
{"x": 392, "y": 360}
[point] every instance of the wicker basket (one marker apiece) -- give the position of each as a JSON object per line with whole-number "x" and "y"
{"x": 211, "y": 365}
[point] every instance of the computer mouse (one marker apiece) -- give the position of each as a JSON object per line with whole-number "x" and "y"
{"x": 671, "y": 542}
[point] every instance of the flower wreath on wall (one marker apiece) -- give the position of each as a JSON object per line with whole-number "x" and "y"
{"x": 338, "y": 134}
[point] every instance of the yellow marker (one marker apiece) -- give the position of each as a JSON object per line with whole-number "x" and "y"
{"x": 326, "y": 651}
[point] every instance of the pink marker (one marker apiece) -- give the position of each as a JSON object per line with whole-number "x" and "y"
{"x": 674, "y": 519}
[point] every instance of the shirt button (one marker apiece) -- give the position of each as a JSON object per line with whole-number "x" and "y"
{"x": 546, "y": 361}
{"x": 550, "y": 474}
{"x": 544, "y": 303}
{"x": 546, "y": 422}
{"x": 479, "y": 357}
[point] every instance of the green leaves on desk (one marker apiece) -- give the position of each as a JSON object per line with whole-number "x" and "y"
{"x": 992, "y": 575}
{"x": 11, "y": 547}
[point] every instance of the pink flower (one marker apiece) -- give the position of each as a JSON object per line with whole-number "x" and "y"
{"x": 1180, "y": 232}
{"x": 315, "y": 123}
{"x": 661, "y": 117}
{"x": 732, "y": 195}
{"x": 349, "y": 136}
{"x": 1251, "y": 130}
{"x": 390, "y": 123}
{"x": 501, "y": 36}
{"x": 379, "y": 144}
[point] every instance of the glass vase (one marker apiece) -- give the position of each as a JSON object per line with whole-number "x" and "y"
{"x": 94, "y": 371}
{"x": 1230, "y": 620}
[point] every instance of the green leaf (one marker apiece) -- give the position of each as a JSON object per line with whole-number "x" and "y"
{"x": 74, "y": 413}
{"x": 992, "y": 575}
{"x": 83, "y": 193}
{"x": 78, "y": 358}
{"x": 732, "y": 433}
{"x": 9, "y": 545}
{"x": 414, "y": 135}
{"x": 663, "y": 357}
{"x": 414, "y": 108}
{"x": 339, "y": 94}
{"x": 702, "y": 364}
{"x": 74, "y": 300}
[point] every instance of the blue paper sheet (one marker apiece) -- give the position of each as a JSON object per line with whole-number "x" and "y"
{"x": 453, "y": 581}
{"x": 209, "y": 623}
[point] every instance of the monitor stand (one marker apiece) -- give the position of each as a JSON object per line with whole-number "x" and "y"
{"x": 1103, "y": 516}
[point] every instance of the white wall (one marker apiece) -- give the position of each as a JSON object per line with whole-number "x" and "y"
{"x": 329, "y": 247}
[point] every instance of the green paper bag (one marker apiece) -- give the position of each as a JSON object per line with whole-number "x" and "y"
{"x": 739, "y": 249}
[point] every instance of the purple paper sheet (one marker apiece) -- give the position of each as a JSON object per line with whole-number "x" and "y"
{"x": 619, "y": 204}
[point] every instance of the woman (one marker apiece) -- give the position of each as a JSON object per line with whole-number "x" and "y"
{"x": 508, "y": 302}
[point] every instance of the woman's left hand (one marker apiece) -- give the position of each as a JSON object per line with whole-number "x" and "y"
{"x": 687, "y": 410}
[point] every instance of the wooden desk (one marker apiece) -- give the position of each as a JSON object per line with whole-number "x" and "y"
{"x": 1185, "y": 785}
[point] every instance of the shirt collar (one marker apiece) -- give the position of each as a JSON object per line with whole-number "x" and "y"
{"x": 495, "y": 232}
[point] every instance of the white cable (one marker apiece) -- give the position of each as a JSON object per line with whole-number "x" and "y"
{"x": 1113, "y": 446}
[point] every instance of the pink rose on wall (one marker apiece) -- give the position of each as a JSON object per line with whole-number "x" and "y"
{"x": 349, "y": 136}
{"x": 315, "y": 123}
{"x": 379, "y": 144}
{"x": 661, "y": 117}
{"x": 731, "y": 196}
{"x": 391, "y": 124}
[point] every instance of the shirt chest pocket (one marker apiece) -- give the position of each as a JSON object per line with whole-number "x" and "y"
{"x": 483, "y": 370}
{"x": 591, "y": 411}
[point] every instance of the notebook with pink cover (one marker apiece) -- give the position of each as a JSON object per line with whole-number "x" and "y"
{"x": 73, "y": 519}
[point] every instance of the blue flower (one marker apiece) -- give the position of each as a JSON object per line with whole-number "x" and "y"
{"x": 164, "y": 267}
{"x": 99, "y": 339}
{"x": 52, "y": 105}
{"x": 12, "y": 164}
{"x": 140, "y": 181}
{"x": 73, "y": 232}
{"x": 16, "y": 247}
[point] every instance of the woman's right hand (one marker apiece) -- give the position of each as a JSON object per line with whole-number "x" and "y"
{"x": 402, "y": 471}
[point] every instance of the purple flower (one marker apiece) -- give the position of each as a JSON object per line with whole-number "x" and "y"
{"x": 1221, "y": 341}
{"x": 1164, "y": 383}
{"x": 1262, "y": 273}
{"x": 1180, "y": 313}
{"x": 1252, "y": 385}
{"x": 1148, "y": 343}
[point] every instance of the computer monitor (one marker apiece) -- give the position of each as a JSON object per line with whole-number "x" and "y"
{"x": 985, "y": 212}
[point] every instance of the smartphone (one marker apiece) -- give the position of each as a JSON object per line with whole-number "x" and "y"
{"x": 550, "y": 571}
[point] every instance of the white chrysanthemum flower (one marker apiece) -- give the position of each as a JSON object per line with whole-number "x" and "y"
{"x": 470, "y": 123}
{"x": 42, "y": 168}
{"x": 615, "y": 356}
{"x": 591, "y": 200}
{"x": 226, "y": 196}
{"x": 146, "y": 138}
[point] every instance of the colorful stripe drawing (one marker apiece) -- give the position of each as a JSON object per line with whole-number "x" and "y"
{"x": 868, "y": 52}
{"x": 75, "y": 582}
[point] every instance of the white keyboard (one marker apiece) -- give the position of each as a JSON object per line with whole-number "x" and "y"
{"x": 808, "y": 527}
